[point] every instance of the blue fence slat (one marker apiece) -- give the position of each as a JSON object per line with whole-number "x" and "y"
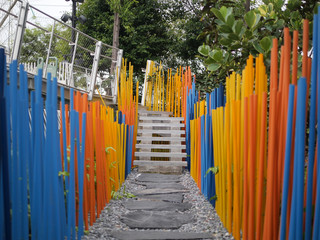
{"x": 312, "y": 122}
{"x": 81, "y": 176}
{"x": 296, "y": 216}
{"x": 71, "y": 192}
{"x": 203, "y": 156}
{"x": 14, "y": 168}
{"x": 24, "y": 134}
{"x": 286, "y": 174}
{"x": 5, "y": 228}
{"x": 316, "y": 233}
{"x": 80, "y": 173}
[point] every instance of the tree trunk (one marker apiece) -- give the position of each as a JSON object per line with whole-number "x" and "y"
{"x": 247, "y": 5}
{"x": 115, "y": 42}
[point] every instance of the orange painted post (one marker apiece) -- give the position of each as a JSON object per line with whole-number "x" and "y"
{"x": 245, "y": 171}
{"x": 268, "y": 232}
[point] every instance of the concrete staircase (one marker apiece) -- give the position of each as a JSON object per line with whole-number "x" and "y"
{"x": 160, "y": 143}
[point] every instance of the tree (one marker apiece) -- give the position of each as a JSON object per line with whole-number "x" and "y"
{"x": 143, "y": 30}
{"x": 36, "y": 42}
{"x": 235, "y": 33}
{"x": 160, "y": 30}
{"x": 184, "y": 19}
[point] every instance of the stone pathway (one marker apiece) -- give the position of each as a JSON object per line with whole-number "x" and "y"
{"x": 160, "y": 210}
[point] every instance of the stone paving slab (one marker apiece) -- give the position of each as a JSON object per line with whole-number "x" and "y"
{"x": 165, "y": 185}
{"x": 172, "y": 197}
{"x": 156, "y": 220}
{"x": 157, "y": 191}
{"x": 159, "y": 235}
{"x": 156, "y": 178}
{"x": 149, "y": 205}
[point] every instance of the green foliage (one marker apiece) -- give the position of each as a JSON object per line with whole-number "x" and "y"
{"x": 121, "y": 194}
{"x": 164, "y": 31}
{"x": 36, "y": 42}
{"x": 234, "y": 33}
{"x": 64, "y": 173}
{"x": 107, "y": 149}
{"x": 214, "y": 170}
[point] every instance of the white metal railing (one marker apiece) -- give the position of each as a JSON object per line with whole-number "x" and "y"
{"x": 79, "y": 55}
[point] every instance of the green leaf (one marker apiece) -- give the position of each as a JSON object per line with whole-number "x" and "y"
{"x": 230, "y": 20}
{"x": 63, "y": 173}
{"x": 216, "y": 55}
{"x": 214, "y": 67}
{"x": 204, "y": 50}
{"x": 225, "y": 29}
{"x": 233, "y": 36}
{"x": 224, "y": 12}
{"x": 107, "y": 149}
{"x": 258, "y": 47}
{"x": 225, "y": 41}
{"x": 226, "y": 57}
{"x": 235, "y": 46}
{"x": 214, "y": 170}
{"x": 258, "y": 17}
{"x": 209, "y": 61}
{"x": 263, "y": 10}
{"x": 237, "y": 27}
{"x": 215, "y": 197}
{"x": 266, "y": 44}
{"x": 250, "y": 18}
{"x": 217, "y": 13}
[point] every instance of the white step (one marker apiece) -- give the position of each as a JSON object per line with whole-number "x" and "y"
{"x": 160, "y": 154}
{"x": 159, "y": 163}
{"x": 160, "y": 146}
{"x": 149, "y": 138}
{"x": 160, "y": 118}
{"x": 162, "y": 131}
{"x": 164, "y": 124}
{"x": 146, "y": 112}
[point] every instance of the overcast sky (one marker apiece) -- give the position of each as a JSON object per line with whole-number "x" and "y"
{"x": 54, "y": 8}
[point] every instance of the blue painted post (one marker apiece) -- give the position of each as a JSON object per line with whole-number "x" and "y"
{"x": 287, "y": 165}
{"x": 71, "y": 192}
{"x": 203, "y": 156}
{"x": 5, "y": 227}
{"x": 296, "y": 217}
{"x": 47, "y": 214}
{"x": 312, "y": 122}
{"x": 37, "y": 186}
{"x": 188, "y": 128}
{"x": 23, "y": 135}
{"x": 16, "y": 185}
{"x": 316, "y": 223}
{"x": 80, "y": 154}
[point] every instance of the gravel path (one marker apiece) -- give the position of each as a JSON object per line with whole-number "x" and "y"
{"x": 206, "y": 218}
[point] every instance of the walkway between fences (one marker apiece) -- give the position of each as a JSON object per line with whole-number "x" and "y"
{"x": 258, "y": 137}
{"x": 55, "y": 182}
{"x": 262, "y": 144}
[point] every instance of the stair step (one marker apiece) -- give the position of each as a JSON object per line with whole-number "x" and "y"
{"x": 160, "y": 146}
{"x": 143, "y": 112}
{"x": 159, "y": 163}
{"x": 161, "y": 131}
{"x": 164, "y": 124}
{"x": 160, "y": 118}
{"x": 170, "y": 139}
{"x": 160, "y": 154}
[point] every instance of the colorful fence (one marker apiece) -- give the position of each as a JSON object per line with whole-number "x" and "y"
{"x": 267, "y": 184}
{"x": 57, "y": 174}
{"x": 166, "y": 91}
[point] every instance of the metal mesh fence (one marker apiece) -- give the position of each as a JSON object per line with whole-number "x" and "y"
{"x": 105, "y": 76}
{"x": 59, "y": 49}
{"x": 9, "y": 11}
